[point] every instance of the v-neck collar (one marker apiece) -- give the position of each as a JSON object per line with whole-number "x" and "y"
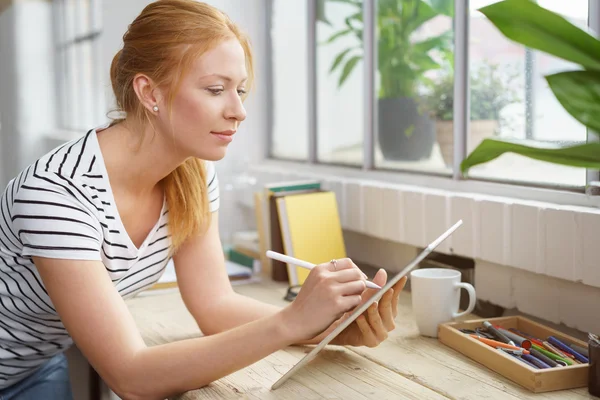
{"x": 102, "y": 169}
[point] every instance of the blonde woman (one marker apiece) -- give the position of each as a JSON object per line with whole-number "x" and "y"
{"x": 96, "y": 221}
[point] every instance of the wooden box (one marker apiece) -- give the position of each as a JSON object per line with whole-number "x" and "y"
{"x": 536, "y": 380}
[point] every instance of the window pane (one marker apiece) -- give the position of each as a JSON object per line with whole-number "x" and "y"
{"x": 72, "y": 71}
{"x": 414, "y": 84}
{"x": 340, "y": 89}
{"x": 290, "y": 112}
{"x": 511, "y": 99}
{"x": 83, "y": 21}
{"x": 88, "y": 118}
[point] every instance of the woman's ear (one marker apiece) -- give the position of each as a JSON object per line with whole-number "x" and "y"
{"x": 148, "y": 94}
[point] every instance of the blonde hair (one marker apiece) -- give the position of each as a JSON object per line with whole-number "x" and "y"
{"x": 162, "y": 43}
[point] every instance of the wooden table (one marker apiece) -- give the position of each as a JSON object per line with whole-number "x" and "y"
{"x": 405, "y": 366}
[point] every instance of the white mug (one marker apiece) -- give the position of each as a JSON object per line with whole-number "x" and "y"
{"x": 435, "y": 296}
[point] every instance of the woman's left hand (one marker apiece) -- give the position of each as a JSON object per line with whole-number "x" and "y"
{"x": 372, "y": 327}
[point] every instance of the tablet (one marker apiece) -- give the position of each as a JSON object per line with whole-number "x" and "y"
{"x": 306, "y": 359}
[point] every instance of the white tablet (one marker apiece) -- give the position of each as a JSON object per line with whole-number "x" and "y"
{"x": 306, "y": 359}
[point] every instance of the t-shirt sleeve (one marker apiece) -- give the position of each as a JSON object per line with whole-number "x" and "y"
{"x": 213, "y": 186}
{"x": 53, "y": 219}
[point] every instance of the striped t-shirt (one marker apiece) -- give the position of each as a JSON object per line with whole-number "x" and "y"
{"x": 62, "y": 206}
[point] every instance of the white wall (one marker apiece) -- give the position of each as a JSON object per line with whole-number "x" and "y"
{"x": 27, "y": 96}
{"x": 249, "y": 144}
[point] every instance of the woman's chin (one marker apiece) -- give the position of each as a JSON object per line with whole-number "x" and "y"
{"x": 213, "y": 154}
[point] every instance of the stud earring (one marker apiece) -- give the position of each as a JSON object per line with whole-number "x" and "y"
{"x": 155, "y": 108}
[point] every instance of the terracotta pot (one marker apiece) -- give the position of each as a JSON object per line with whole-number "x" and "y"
{"x": 479, "y": 130}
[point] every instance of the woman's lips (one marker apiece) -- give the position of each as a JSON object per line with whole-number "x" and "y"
{"x": 226, "y": 136}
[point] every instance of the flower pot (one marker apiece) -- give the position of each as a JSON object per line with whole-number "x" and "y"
{"x": 404, "y": 133}
{"x": 479, "y": 130}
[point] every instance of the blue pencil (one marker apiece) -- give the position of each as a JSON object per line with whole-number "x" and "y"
{"x": 555, "y": 342}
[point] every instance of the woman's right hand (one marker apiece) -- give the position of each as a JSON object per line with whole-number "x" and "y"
{"x": 327, "y": 293}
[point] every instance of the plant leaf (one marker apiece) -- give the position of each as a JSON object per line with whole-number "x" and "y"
{"x": 423, "y": 12}
{"x": 443, "y": 7}
{"x": 527, "y": 23}
{"x": 433, "y": 42}
{"x": 339, "y": 58}
{"x": 321, "y": 12}
{"x": 348, "y": 68}
{"x": 357, "y": 3}
{"x": 338, "y": 34}
{"x": 585, "y": 155}
{"x": 579, "y": 93}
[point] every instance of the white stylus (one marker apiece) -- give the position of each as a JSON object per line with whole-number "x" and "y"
{"x": 304, "y": 264}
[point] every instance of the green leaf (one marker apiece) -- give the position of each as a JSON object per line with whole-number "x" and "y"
{"x": 585, "y": 155}
{"x": 348, "y": 68}
{"x": 357, "y": 3}
{"x": 429, "y": 44}
{"x": 422, "y": 62}
{"x": 354, "y": 17}
{"x": 444, "y": 7}
{"x": 338, "y": 34}
{"x": 421, "y": 13}
{"x": 533, "y": 26}
{"x": 579, "y": 94}
{"x": 339, "y": 58}
{"x": 321, "y": 12}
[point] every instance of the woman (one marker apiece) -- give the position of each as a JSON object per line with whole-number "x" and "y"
{"x": 97, "y": 220}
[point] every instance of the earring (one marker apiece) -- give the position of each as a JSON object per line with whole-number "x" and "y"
{"x": 155, "y": 108}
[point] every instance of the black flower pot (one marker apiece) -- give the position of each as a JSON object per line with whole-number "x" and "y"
{"x": 404, "y": 133}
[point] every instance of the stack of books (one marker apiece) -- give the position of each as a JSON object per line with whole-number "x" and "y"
{"x": 301, "y": 220}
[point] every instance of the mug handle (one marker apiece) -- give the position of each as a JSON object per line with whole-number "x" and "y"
{"x": 471, "y": 290}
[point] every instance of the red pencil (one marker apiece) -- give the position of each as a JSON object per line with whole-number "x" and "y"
{"x": 496, "y": 344}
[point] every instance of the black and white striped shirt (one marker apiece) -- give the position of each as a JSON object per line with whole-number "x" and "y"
{"x": 62, "y": 206}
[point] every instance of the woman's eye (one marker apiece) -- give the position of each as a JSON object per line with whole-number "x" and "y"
{"x": 241, "y": 92}
{"x": 215, "y": 91}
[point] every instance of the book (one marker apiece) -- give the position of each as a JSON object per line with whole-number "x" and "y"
{"x": 262, "y": 226}
{"x": 272, "y": 229}
{"x": 310, "y": 230}
{"x": 237, "y": 271}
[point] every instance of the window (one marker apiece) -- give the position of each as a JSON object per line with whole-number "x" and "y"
{"x": 288, "y": 32}
{"x": 414, "y": 84}
{"x": 340, "y": 83}
{"x": 511, "y": 99}
{"x": 77, "y": 27}
{"x": 377, "y": 89}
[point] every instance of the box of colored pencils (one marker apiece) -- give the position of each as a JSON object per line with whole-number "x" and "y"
{"x": 535, "y": 356}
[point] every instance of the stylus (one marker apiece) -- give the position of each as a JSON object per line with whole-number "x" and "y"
{"x": 304, "y": 264}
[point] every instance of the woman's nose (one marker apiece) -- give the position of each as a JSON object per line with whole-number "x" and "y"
{"x": 236, "y": 110}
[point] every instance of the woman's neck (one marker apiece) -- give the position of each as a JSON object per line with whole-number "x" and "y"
{"x": 136, "y": 159}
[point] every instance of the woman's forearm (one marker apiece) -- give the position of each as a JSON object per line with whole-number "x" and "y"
{"x": 161, "y": 371}
{"x": 231, "y": 311}
{"x": 235, "y": 310}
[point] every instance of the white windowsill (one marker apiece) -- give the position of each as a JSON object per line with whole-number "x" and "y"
{"x": 513, "y": 192}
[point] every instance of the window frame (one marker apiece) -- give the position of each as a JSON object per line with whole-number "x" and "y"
{"x": 70, "y": 86}
{"x": 461, "y": 104}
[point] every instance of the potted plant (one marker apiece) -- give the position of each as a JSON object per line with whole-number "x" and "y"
{"x": 405, "y": 133}
{"x": 491, "y": 89}
{"x": 578, "y": 91}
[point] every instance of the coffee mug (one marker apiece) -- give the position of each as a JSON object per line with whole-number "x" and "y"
{"x": 435, "y": 296}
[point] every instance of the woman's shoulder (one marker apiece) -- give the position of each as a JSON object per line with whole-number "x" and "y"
{"x": 61, "y": 173}
{"x": 72, "y": 159}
